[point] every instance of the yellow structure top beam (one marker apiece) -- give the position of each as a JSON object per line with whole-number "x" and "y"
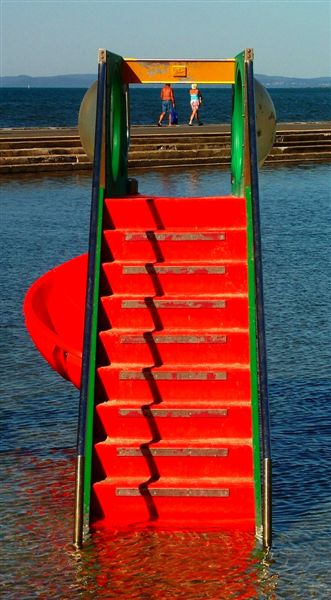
{"x": 179, "y": 71}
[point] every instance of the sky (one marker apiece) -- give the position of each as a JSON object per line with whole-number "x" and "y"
{"x": 57, "y": 37}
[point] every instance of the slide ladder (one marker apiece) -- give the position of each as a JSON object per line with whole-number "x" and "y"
{"x": 161, "y": 325}
{"x": 173, "y": 426}
{"x": 173, "y": 417}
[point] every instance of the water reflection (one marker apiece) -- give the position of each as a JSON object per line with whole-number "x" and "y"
{"x": 131, "y": 564}
{"x": 152, "y": 564}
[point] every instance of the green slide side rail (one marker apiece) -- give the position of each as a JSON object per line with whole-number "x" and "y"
{"x": 109, "y": 179}
{"x": 244, "y": 180}
{"x": 253, "y": 360}
{"x": 115, "y": 140}
{"x": 241, "y": 149}
{"x": 92, "y": 367}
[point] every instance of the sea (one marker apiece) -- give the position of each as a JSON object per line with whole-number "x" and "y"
{"x": 52, "y": 107}
{"x": 44, "y": 222}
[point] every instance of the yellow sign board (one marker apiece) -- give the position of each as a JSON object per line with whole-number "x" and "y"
{"x": 179, "y": 71}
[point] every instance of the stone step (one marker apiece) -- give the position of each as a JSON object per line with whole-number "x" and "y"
{"x": 40, "y": 142}
{"x": 46, "y": 158}
{"x": 178, "y": 146}
{"x": 41, "y": 151}
{"x": 177, "y": 153}
{"x": 44, "y": 167}
{"x": 60, "y": 149}
{"x": 185, "y": 161}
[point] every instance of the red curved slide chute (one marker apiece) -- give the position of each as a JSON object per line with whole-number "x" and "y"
{"x": 54, "y": 313}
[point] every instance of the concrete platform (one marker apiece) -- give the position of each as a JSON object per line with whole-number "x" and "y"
{"x": 138, "y": 130}
{"x": 32, "y": 150}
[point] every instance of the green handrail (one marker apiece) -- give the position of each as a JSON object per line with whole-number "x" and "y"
{"x": 110, "y": 149}
{"x": 86, "y": 404}
{"x": 244, "y": 180}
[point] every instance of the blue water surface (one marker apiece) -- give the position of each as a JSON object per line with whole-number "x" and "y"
{"x": 59, "y": 107}
{"x": 44, "y": 222}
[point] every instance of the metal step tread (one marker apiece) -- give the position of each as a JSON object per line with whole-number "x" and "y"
{"x": 170, "y": 336}
{"x": 175, "y": 312}
{"x": 208, "y": 444}
{"x": 173, "y": 301}
{"x": 201, "y": 234}
{"x": 173, "y": 483}
{"x": 175, "y": 408}
{"x": 181, "y": 372}
{"x": 175, "y": 267}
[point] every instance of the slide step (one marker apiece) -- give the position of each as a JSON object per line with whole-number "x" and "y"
{"x": 162, "y": 347}
{"x": 141, "y": 213}
{"x": 200, "y": 313}
{"x": 151, "y": 246}
{"x": 157, "y": 279}
{"x": 184, "y": 458}
{"x": 174, "y": 419}
{"x": 157, "y": 384}
{"x": 129, "y": 502}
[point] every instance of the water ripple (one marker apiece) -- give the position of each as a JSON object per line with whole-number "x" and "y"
{"x": 39, "y": 411}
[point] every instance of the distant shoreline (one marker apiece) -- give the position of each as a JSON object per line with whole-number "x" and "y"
{"x": 86, "y": 80}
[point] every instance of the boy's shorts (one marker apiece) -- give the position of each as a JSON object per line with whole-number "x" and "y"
{"x": 166, "y": 105}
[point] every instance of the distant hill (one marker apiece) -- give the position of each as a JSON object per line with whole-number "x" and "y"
{"x": 84, "y": 81}
{"x": 277, "y": 81}
{"x": 53, "y": 81}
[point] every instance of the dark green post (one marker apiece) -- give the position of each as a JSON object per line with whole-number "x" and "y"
{"x": 117, "y": 125}
{"x": 109, "y": 179}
